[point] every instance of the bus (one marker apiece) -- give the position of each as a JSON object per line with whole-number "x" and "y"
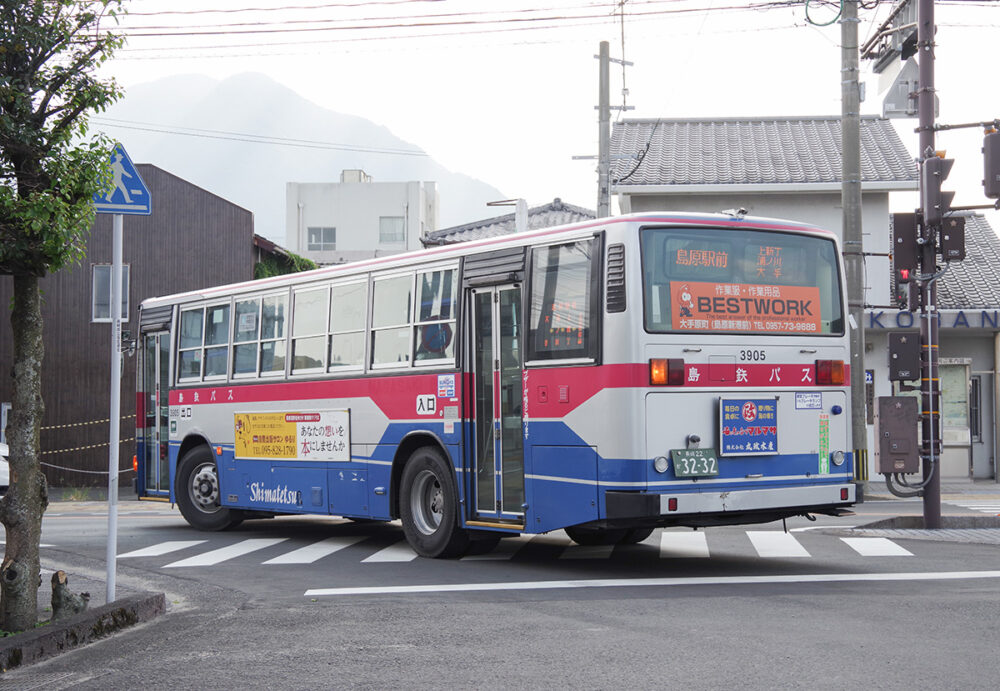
{"x": 604, "y": 378}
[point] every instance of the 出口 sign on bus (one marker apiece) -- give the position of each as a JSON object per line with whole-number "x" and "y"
{"x": 322, "y": 435}
{"x": 746, "y": 307}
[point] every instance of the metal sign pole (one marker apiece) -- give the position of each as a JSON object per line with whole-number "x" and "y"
{"x": 115, "y": 414}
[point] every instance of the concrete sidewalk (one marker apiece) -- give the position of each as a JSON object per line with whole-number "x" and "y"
{"x": 952, "y": 490}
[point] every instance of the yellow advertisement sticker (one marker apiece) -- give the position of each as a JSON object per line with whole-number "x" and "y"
{"x": 311, "y": 436}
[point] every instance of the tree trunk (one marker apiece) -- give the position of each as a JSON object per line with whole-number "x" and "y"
{"x": 22, "y": 508}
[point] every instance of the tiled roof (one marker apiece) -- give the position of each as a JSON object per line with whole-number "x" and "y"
{"x": 744, "y": 151}
{"x": 973, "y": 283}
{"x": 545, "y": 216}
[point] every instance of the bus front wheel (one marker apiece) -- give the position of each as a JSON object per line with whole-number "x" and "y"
{"x": 429, "y": 506}
{"x": 197, "y": 492}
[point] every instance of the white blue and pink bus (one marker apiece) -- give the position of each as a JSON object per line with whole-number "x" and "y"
{"x": 605, "y": 378}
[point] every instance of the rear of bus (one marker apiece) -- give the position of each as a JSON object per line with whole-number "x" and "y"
{"x": 746, "y": 415}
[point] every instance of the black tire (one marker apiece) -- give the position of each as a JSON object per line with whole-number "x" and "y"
{"x": 428, "y": 506}
{"x": 595, "y": 536}
{"x": 197, "y": 492}
{"x": 634, "y": 536}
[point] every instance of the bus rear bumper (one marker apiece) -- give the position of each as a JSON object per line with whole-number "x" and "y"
{"x": 764, "y": 501}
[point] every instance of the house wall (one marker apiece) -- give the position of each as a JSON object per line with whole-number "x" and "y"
{"x": 354, "y": 209}
{"x": 193, "y": 239}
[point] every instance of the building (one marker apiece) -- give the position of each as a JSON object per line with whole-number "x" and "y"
{"x": 193, "y": 239}
{"x": 791, "y": 168}
{"x": 357, "y": 218}
{"x": 556, "y": 213}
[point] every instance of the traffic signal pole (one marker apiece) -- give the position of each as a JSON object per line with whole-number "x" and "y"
{"x": 929, "y": 324}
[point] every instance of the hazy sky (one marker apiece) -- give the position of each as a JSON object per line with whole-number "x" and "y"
{"x": 505, "y": 91}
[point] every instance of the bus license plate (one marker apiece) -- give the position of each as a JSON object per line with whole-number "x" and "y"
{"x": 695, "y": 462}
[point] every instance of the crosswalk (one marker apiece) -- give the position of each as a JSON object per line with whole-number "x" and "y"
{"x": 662, "y": 544}
{"x": 991, "y": 507}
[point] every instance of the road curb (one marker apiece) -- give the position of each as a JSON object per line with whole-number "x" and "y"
{"x": 33, "y": 646}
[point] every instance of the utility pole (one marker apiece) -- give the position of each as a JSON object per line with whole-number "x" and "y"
{"x": 850, "y": 133}
{"x": 604, "y": 133}
{"x": 930, "y": 396}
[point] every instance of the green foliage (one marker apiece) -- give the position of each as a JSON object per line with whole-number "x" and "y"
{"x": 49, "y": 171}
{"x": 275, "y": 265}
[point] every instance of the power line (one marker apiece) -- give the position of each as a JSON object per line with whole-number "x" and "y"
{"x": 251, "y": 138}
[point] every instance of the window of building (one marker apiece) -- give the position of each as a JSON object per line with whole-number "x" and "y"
{"x": 309, "y": 329}
{"x": 562, "y": 298}
{"x": 976, "y": 407}
{"x": 391, "y": 230}
{"x": 348, "y": 311}
{"x": 321, "y": 239}
{"x": 101, "y": 293}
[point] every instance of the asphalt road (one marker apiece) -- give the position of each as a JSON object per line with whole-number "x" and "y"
{"x": 310, "y": 603}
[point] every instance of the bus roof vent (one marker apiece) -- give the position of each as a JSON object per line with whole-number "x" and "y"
{"x": 615, "y": 300}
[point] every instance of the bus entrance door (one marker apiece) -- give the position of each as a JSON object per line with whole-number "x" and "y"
{"x": 154, "y": 478}
{"x": 499, "y": 443}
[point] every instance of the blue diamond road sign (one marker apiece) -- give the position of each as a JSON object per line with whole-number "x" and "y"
{"x": 128, "y": 194}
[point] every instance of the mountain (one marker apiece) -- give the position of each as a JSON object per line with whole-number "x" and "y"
{"x": 253, "y": 174}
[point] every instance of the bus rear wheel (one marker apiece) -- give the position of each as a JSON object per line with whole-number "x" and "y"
{"x": 429, "y": 506}
{"x": 197, "y": 492}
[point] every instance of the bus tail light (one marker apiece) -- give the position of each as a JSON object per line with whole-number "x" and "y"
{"x": 666, "y": 372}
{"x": 843, "y": 494}
{"x": 830, "y": 372}
{"x": 135, "y": 464}
{"x": 672, "y": 504}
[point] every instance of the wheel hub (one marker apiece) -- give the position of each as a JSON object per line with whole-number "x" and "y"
{"x": 205, "y": 488}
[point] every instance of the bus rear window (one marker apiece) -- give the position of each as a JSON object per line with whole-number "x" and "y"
{"x": 740, "y": 281}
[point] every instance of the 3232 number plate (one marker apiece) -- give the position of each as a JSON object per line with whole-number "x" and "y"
{"x": 695, "y": 462}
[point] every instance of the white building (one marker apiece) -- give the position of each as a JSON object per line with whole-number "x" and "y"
{"x": 791, "y": 168}
{"x": 356, "y": 218}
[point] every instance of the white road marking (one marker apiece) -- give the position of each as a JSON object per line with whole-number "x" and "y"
{"x": 876, "y": 547}
{"x": 217, "y": 556}
{"x": 991, "y": 507}
{"x": 161, "y": 548}
{"x": 772, "y": 544}
{"x": 397, "y": 552}
{"x": 315, "y": 551}
{"x": 693, "y": 545}
{"x": 646, "y": 582}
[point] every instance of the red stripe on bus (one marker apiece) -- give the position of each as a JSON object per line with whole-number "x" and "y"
{"x": 548, "y": 392}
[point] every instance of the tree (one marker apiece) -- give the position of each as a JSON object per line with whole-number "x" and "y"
{"x": 49, "y": 172}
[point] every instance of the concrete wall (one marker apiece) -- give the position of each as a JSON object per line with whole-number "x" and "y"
{"x": 354, "y": 209}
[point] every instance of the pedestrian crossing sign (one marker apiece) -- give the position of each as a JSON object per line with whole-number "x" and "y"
{"x": 128, "y": 193}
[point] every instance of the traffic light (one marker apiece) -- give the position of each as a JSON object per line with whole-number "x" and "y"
{"x": 933, "y": 201}
{"x": 905, "y": 255}
{"x": 991, "y": 164}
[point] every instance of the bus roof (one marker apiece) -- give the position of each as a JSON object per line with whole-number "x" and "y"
{"x": 446, "y": 252}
